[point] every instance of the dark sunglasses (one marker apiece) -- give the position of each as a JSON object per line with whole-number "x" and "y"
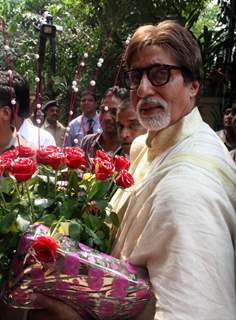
{"x": 157, "y": 74}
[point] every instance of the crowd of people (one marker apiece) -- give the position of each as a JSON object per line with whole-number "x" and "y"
{"x": 178, "y": 220}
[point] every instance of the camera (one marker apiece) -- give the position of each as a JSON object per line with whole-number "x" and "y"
{"x": 46, "y": 27}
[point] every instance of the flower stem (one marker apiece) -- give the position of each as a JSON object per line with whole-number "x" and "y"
{"x": 30, "y": 201}
{"x": 56, "y": 226}
{"x": 55, "y": 190}
{"x": 3, "y": 204}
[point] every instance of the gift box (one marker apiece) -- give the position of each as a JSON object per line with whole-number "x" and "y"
{"x": 98, "y": 285}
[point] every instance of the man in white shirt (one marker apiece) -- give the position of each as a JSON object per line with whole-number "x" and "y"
{"x": 34, "y": 134}
{"x": 8, "y": 136}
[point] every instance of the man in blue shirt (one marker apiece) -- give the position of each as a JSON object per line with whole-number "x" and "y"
{"x": 86, "y": 123}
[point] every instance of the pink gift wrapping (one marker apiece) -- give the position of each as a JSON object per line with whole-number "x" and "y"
{"x": 98, "y": 285}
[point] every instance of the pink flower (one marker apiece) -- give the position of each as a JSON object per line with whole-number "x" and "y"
{"x": 106, "y": 309}
{"x": 95, "y": 279}
{"x": 71, "y": 264}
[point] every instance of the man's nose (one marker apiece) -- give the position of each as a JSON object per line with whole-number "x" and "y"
{"x": 108, "y": 115}
{"x": 145, "y": 87}
{"x": 125, "y": 133}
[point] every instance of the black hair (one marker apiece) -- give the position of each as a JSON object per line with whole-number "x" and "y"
{"x": 18, "y": 90}
{"x": 118, "y": 92}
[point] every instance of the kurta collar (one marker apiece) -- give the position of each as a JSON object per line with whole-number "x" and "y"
{"x": 159, "y": 142}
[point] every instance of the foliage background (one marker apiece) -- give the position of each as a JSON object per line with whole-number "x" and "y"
{"x": 101, "y": 27}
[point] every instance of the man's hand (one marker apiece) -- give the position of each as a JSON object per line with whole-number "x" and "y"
{"x": 52, "y": 310}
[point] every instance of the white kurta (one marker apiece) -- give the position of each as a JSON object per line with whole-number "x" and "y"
{"x": 179, "y": 221}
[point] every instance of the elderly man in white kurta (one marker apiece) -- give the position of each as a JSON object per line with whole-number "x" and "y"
{"x": 178, "y": 221}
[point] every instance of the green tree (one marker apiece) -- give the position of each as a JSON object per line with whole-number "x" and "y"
{"x": 99, "y": 27}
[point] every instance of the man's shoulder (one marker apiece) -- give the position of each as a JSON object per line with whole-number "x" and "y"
{"x": 76, "y": 120}
{"x": 137, "y": 145}
{"x": 60, "y": 125}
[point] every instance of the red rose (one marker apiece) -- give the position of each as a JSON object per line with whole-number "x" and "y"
{"x": 5, "y": 165}
{"x": 103, "y": 169}
{"x": 43, "y": 152}
{"x": 24, "y": 152}
{"x": 56, "y": 160}
{"x": 45, "y": 249}
{"x": 75, "y": 157}
{"x": 10, "y": 154}
{"x": 121, "y": 163}
{"x": 22, "y": 168}
{"x": 104, "y": 156}
{"x": 124, "y": 179}
{"x": 51, "y": 156}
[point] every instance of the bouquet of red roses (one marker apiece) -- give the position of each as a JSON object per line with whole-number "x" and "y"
{"x": 67, "y": 194}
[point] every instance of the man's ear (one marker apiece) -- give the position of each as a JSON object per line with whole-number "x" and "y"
{"x": 6, "y": 113}
{"x": 194, "y": 88}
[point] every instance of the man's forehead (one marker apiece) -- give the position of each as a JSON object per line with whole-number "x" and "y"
{"x": 87, "y": 97}
{"x": 53, "y": 107}
{"x": 149, "y": 55}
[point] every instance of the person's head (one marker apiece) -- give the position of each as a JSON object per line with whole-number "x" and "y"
{"x": 51, "y": 111}
{"x": 108, "y": 109}
{"x": 227, "y": 118}
{"x": 233, "y": 113}
{"x": 7, "y": 93}
{"x": 128, "y": 126}
{"x": 88, "y": 103}
{"x": 163, "y": 72}
{"x": 20, "y": 86}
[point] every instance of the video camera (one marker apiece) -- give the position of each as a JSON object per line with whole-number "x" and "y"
{"x": 46, "y": 27}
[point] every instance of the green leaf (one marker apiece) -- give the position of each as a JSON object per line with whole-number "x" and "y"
{"x": 48, "y": 219}
{"x": 114, "y": 219}
{"x": 7, "y": 184}
{"x": 92, "y": 222}
{"x": 6, "y": 222}
{"x": 100, "y": 234}
{"x": 75, "y": 230}
{"x": 69, "y": 208}
{"x": 73, "y": 180}
{"x": 101, "y": 204}
{"x": 98, "y": 189}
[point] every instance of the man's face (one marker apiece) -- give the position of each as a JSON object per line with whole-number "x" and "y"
{"x": 52, "y": 114}
{"x": 107, "y": 115}
{"x": 5, "y": 119}
{"x": 227, "y": 117}
{"x": 158, "y": 107}
{"x": 87, "y": 104}
{"x": 233, "y": 114}
{"x": 128, "y": 128}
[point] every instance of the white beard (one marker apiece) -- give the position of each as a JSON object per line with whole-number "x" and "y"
{"x": 157, "y": 121}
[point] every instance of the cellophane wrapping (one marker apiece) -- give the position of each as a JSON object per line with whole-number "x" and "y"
{"x": 97, "y": 285}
